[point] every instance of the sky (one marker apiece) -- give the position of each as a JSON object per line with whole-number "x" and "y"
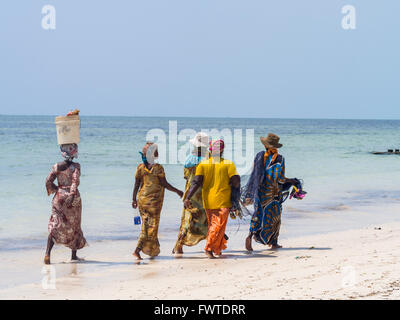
{"x": 209, "y": 58}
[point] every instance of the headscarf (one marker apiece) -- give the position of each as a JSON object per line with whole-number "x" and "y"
{"x": 216, "y": 145}
{"x": 194, "y": 159}
{"x": 69, "y": 151}
{"x": 270, "y": 151}
{"x": 148, "y": 153}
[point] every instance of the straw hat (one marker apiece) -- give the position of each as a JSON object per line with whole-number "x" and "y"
{"x": 200, "y": 140}
{"x": 271, "y": 141}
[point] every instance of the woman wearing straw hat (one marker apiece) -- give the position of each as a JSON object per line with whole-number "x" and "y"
{"x": 148, "y": 195}
{"x": 264, "y": 191}
{"x": 194, "y": 226}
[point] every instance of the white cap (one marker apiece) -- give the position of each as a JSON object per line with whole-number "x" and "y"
{"x": 200, "y": 140}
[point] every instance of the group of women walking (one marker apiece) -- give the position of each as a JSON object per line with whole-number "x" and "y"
{"x": 212, "y": 194}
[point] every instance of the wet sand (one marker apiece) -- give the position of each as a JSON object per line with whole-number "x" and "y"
{"x": 355, "y": 264}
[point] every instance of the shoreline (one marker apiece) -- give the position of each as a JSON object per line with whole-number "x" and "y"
{"x": 352, "y": 264}
{"x": 296, "y": 222}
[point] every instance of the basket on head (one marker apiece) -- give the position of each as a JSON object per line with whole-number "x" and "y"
{"x": 68, "y": 129}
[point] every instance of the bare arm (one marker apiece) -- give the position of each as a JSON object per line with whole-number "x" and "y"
{"x": 235, "y": 181}
{"x": 291, "y": 181}
{"x": 136, "y": 188}
{"x": 169, "y": 187}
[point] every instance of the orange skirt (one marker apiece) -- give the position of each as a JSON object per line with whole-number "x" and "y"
{"x": 217, "y": 220}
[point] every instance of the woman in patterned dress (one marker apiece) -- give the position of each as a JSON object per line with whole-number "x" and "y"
{"x": 65, "y": 221}
{"x": 194, "y": 225}
{"x": 148, "y": 195}
{"x": 264, "y": 190}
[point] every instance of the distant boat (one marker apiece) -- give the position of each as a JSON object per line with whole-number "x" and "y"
{"x": 390, "y": 151}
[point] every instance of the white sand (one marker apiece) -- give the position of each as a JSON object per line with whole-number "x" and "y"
{"x": 357, "y": 264}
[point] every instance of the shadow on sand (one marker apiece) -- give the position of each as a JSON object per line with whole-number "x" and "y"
{"x": 229, "y": 254}
{"x": 199, "y": 255}
{"x": 300, "y": 248}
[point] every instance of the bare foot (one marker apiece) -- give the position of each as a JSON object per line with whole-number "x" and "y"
{"x": 276, "y": 246}
{"x": 76, "y": 258}
{"x": 209, "y": 254}
{"x": 178, "y": 250}
{"x": 248, "y": 244}
{"x": 137, "y": 255}
{"x": 46, "y": 259}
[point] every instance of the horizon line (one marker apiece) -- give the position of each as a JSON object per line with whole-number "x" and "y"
{"x": 199, "y": 117}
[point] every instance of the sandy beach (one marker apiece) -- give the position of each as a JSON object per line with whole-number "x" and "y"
{"x": 354, "y": 264}
{"x": 111, "y": 113}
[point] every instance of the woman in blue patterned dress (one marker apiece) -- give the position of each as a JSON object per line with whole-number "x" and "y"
{"x": 264, "y": 190}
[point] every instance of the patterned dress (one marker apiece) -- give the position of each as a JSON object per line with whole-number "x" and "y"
{"x": 194, "y": 226}
{"x": 150, "y": 201}
{"x": 266, "y": 221}
{"x": 65, "y": 221}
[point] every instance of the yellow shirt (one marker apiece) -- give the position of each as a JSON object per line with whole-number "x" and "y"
{"x": 216, "y": 176}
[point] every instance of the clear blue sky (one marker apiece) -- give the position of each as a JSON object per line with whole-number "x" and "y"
{"x": 233, "y": 58}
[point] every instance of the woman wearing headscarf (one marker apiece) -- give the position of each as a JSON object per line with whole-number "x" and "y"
{"x": 264, "y": 190}
{"x": 65, "y": 221}
{"x": 148, "y": 195}
{"x": 216, "y": 176}
{"x": 194, "y": 226}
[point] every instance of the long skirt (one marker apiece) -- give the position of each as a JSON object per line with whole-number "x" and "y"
{"x": 266, "y": 222}
{"x": 217, "y": 220}
{"x": 194, "y": 226}
{"x": 65, "y": 222}
{"x": 148, "y": 239}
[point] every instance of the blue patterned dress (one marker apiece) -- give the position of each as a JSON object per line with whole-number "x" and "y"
{"x": 266, "y": 220}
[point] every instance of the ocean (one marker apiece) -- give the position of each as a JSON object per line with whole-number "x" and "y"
{"x": 348, "y": 187}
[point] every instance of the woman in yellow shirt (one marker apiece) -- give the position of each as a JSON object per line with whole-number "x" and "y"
{"x": 216, "y": 176}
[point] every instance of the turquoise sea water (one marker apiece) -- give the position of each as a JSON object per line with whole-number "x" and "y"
{"x": 348, "y": 187}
